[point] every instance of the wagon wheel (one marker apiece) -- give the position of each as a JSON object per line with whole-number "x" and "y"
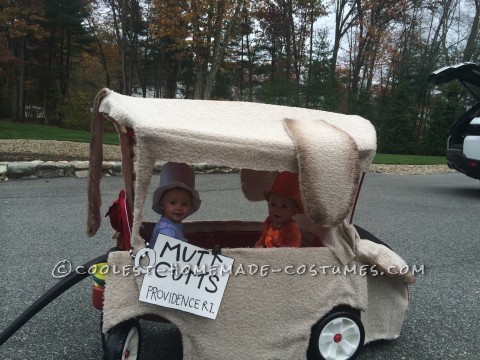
{"x": 338, "y": 336}
{"x": 101, "y": 332}
{"x": 122, "y": 342}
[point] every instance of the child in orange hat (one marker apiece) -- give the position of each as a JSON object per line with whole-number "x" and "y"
{"x": 284, "y": 201}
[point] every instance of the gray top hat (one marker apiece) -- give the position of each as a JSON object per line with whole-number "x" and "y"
{"x": 176, "y": 175}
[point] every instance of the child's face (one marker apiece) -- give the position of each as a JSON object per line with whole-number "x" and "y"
{"x": 281, "y": 209}
{"x": 176, "y": 204}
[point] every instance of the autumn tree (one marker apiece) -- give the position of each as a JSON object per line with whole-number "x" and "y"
{"x": 198, "y": 28}
{"x": 271, "y": 20}
{"x": 472, "y": 51}
{"x": 104, "y": 46}
{"x": 170, "y": 35}
{"x": 321, "y": 93}
{"x": 66, "y": 44}
{"x": 247, "y": 52}
{"x": 21, "y": 26}
{"x": 445, "y": 107}
{"x": 286, "y": 26}
{"x": 376, "y": 20}
{"x": 420, "y": 45}
{"x": 128, "y": 25}
{"x": 312, "y": 10}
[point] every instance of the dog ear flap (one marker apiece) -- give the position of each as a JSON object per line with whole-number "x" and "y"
{"x": 95, "y": 170}
{"x": 329, "y": 169}
{"x": 254, "y": 183}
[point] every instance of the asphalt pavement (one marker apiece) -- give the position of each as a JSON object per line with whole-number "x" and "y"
{"x": 430, "y": 220}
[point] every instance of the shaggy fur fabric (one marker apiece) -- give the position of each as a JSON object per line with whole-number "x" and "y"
{"x": 387, "y": 305}
{"x": 237, "y": 134}
{"x": 261, "y": 317}
{"x": 264, "y": 320}
{"x": 95, "y": 172}
{"x": 385, "y": 260}
{"x": 254, "y": 183}
{"x": 127, "y": 146}
{"x": 328, "y": 168}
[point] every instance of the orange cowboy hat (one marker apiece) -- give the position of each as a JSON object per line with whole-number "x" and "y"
{"x": 286, "y": 184}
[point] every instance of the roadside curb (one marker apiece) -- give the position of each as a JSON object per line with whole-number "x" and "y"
{"x": 53, "y": 169}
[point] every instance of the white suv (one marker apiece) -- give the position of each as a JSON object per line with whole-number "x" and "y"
{"x": 463, "y": 148}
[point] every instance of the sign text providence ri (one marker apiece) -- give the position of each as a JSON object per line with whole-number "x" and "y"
{"x": 184, "y": 277}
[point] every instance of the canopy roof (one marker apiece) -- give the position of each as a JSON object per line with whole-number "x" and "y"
{"x": 236, "y": 134}
{"x": 328, "y": 150}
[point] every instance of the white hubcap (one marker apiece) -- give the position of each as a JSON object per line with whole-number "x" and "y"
{"x": 130, "y": 350}
{"x": 339, "y": 339}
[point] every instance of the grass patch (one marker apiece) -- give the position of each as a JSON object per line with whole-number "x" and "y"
{"x": 409, "y": 159}
{"x": 11, "y": 130}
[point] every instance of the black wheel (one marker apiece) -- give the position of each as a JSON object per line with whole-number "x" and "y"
{"x": 101, "y": 331}
{"x": 122, "y": 342}
{"x": 338, "y": 336}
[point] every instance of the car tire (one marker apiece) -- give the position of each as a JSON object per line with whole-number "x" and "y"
{"x": 340, "y": 335}
{"x": 122, "y": 342}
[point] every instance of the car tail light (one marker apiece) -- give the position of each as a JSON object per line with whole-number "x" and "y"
{"x": 472, "y": 163}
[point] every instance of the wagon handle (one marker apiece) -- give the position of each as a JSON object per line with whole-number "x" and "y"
{"x": 54, "y": 292}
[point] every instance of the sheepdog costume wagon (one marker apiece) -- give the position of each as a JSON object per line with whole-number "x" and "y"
{"x": 278, "y": 316}
{"x": 290, "y": 314}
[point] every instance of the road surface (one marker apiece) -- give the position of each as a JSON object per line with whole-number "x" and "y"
{"x": 430, "y": 220}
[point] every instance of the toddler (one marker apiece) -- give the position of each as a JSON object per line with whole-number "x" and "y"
{"x": 284, "y": 201}
{"x": 175, "y": 199}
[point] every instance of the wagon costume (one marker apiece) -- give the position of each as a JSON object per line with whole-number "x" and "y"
{"x": 329, "y": 151}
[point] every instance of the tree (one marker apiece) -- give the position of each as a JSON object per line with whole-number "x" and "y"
{"x": 323, "y": 94}
{"x": 444, "y": 109}
{"x": 21, "y": 21}
{"x": 312, "y": 10}
{"x": 103, "y": 43}
{"x": 65, "y": 45}
{"x": 198, "y": 28}
{"x": 271, "y": 24}
{"x": 396, "y": 131}
{"x": 346, "y": 16}
{"x": 127, "y": 16}
{"x": 375, "y": 21}
{"x": 471, "y": 49}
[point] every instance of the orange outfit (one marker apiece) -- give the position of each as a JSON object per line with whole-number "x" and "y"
{"x": 287, "y": 236}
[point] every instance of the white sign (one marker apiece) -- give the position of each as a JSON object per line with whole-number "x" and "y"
{"x": 184, "y": 277}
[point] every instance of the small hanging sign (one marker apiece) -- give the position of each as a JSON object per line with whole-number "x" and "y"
{"x": 184, "y": 277}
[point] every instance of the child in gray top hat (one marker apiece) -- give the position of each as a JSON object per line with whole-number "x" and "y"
{"x": 175, "y": 199}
